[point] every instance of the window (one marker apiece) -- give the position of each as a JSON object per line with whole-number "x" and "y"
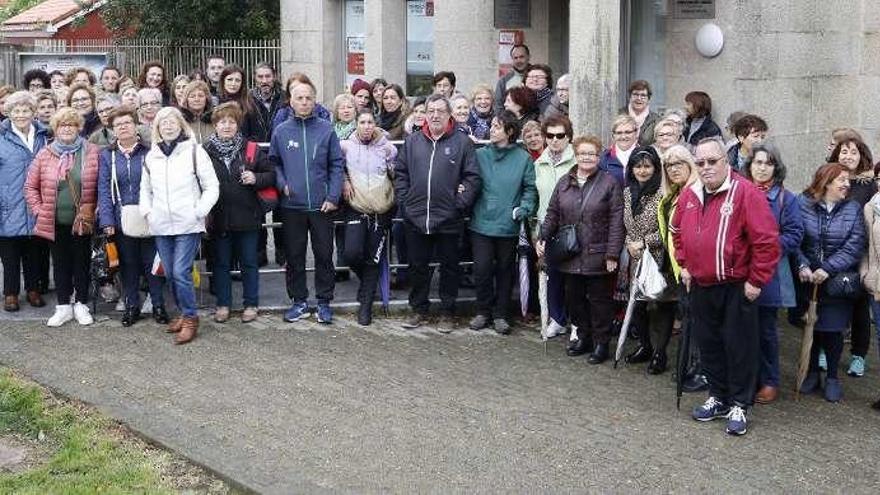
{"x": 419, "y": 46}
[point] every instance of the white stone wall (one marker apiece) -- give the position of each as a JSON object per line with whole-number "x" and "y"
{"x": 806, "y": 66}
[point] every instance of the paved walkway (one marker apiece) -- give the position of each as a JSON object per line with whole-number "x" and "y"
{"x": 294, "y": 408}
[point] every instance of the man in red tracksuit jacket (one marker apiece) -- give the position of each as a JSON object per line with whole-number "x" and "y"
{"x": 727, "y": 244}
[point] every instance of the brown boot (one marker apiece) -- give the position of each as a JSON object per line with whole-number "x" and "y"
{"x": 10, "y": 303}
{"x": 189, "y": 330}
{"x": 175, "y": 326}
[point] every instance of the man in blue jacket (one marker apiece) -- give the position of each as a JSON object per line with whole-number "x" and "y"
{"x": 309, "y": 169}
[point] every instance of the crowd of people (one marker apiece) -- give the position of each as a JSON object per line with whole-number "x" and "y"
{"x": 162, "y": 165}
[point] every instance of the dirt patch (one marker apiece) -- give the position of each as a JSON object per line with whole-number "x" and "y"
{"x": 18, "y": 454}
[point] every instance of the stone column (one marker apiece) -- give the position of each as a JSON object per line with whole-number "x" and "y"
{"x": 311, "y": 42}
{"x": 385, "y": 40}
{"x": 594, "y": 49}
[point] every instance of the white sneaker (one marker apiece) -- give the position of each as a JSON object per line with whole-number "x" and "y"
{"x": 82, "y": 314}
{"x": 147, "y": 307}
{"x": 554, "y": 329}
{"x": 120, "y": 305}
{"x": 63, "y": 314}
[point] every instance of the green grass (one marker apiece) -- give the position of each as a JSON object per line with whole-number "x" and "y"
{"x": 85, "y": 456}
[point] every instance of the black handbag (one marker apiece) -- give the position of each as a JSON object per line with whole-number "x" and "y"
{"x": 844, "y": 285}
{"x": 564, "y": 245}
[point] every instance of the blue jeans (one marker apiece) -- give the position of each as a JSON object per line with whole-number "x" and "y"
{"x": 177, "y": 253}
{"x": 244, "y": 245}
{"x": 769, "y": 345}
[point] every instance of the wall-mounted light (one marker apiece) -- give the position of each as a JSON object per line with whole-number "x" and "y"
{"x": 709, "y": 40}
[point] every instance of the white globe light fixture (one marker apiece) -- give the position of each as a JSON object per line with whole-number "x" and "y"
{"x": 709, "y": 40}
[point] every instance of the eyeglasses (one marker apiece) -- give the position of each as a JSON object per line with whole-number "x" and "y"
{"x": 151, "y": 104}
{"x": 675, "y": 165}
{"x": 624, "y": 133}
{"x": 537, "y": 77}
{"x": 84, "y": 99}
{"x": 560, "y": 135}
{"x": 103, "y": 111}
{"x": 589, "y": 154}
{"x": 21, "y": 112}
{"x": 639, "y": 96}
{"x": 709, "y": 161}
{"x": 122, "y": 123}
{"x": 665, "y": 134}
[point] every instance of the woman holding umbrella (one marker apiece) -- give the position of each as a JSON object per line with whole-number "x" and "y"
{"x": 369, "y": 167}
{"x": 764, "y": 167}
{"x": 641, "y": 199}
{"x": 829, "y": 256}
{"x": 508, "y": 197}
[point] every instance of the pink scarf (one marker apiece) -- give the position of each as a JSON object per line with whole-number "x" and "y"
{"x": 65, "y": 163}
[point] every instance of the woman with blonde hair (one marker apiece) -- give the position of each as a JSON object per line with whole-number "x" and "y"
{"x": 177, "y": 191}
{"x": 196, "y": 108}
{"x": 344, "y": 113}
{"x": 481, "y": 113}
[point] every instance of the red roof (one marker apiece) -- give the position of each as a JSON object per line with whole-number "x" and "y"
{"x": 48, "y": 12}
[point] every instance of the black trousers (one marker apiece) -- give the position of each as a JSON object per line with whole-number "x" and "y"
{"x": 420, "y": 248}
{"x": 20, "y": 254}
{"x": 71, "y": 255}
{"x": 654, "y": 333}
{"x": 589, "y": 305}
{"x": 136, "y": 257}
{"x": 861, "y": 325}
{"x": 299, "y": 227}
{"x": 42, "y": 254}
{"x": 494, "y": 272}
{"x": 725, "y": 327}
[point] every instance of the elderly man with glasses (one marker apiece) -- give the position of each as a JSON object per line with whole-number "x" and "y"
{"x": 727, "y": 244}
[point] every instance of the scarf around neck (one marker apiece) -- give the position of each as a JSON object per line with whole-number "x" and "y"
{"x": 343, "y": 130}
{"x": 66, "y": 153}
{"x": 228, "y": 149}
{"x": 167, "y": 147}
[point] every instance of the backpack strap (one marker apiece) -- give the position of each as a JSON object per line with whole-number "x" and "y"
{"x": 195, "y": 172}
{"x": 250, "y": 152}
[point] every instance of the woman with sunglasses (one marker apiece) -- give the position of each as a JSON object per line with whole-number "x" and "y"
{"x": 554, "y": 164}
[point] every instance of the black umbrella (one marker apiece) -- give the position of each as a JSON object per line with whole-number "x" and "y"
{"x": 684, "y": 352}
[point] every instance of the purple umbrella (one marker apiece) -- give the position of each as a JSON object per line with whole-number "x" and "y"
{"x": 384, "y": 276}
{"x": 523, "y": 248}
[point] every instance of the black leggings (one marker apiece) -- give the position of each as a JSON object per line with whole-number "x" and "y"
{"x": 832, "y": 343}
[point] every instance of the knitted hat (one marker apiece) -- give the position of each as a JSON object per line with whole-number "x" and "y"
{"x": 358, "y": 85}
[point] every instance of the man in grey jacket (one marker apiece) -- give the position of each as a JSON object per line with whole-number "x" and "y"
{"x": 520, "y": 56}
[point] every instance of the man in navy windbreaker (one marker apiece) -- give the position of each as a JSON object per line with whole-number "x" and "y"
{"x": 309, "y": 169}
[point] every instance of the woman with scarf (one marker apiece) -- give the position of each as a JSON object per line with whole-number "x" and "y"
{"x": 61, "y": 191}
{"x": 344, "y": 112}
{"x": 480, "y": 115}
{"x": 533, "y": 139}
{"x": 641, "y": 200}
{"x": 539, "y": 78}
{"x": 237, "y": 217}
{"x": 624, "y": 131}
{"x": 856, "y": 157}
{"x": 639, "y": 108}
{"x": 369, "y": 192}
{"x": 416, "y": 119}
{"x": 103, "y": 136}
{"x": 461, "y": 110}
{"x": 395, "y": 110}
{"x": 765, "y": 169}
{"x": 82, "y": 99}
{"x": 178, "y": 190}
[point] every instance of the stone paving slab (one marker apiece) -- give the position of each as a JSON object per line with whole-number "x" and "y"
{"x": 305, "y": 408}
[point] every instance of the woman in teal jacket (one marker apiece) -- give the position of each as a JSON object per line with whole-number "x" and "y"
{"x": 508, "y": 197}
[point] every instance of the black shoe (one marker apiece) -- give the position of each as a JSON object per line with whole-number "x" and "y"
{"x": 640, "y": 355}
{"x": 599, "y": 354}
{"x": 160, "y": 316}
{"x": 130, "y": 316}
{"x": 657, "y": 364}
{"x": 579, "y": 347}
{"x": 694, "y": 383}
{"x": 365, "y": 314}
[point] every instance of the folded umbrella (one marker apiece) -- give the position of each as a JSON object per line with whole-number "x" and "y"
{"x": 627, "y": 319}
{"x": 684, "y": 353}
{"x": 523, "y": 249}
{"x": 807, "y": 341}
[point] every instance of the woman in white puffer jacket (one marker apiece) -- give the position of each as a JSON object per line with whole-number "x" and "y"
{"x": 178, "y": 190}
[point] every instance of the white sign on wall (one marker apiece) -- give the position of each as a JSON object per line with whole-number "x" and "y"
{"x": 62, "y": 61}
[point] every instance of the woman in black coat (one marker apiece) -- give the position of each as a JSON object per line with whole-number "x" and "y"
{"x": 237, "y": 216}
{"x": 699, "y": 124}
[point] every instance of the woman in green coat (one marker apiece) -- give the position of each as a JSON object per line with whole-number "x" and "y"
{"x": 508, "y": 197}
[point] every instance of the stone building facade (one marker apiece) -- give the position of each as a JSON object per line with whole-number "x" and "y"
{"x": 807, "y": 66}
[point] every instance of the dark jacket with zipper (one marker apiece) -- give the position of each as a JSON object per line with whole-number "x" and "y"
{"x": 600, "y": 229}
{"x": 260, "y": 119}
{"x": 426, "y": 179}
{"x": 238, "y": 208}
{"x": 833, "y": 241}
{"x": 308, "y": 161}
{"x": 128, "y": 178}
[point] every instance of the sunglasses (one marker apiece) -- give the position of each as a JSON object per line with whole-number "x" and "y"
{"x": 561, "y": 135}
{"x": 709, "y": 161}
